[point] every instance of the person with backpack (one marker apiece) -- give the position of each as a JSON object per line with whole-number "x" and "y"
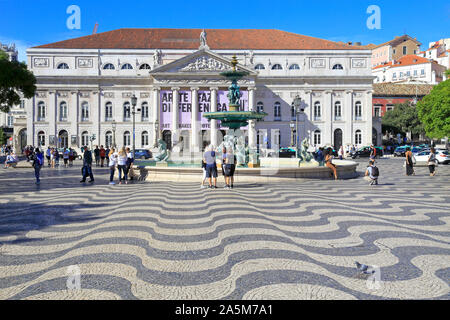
{"x": 372, "y": 173}
{"x": 87, "y": 165}
{"x": 103, "y": 154}
{"x": 38, "y": 162}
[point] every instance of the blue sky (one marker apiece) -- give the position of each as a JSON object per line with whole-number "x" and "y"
{"x": 31, "y": 23}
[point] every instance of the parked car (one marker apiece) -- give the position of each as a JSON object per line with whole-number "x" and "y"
{"x": 364, "y": 152}
{"x": 400, "y": 151}
{"x": 442, "y": 157}
{"x": 416, "y": 150}
{"x": 75, "y": 154}
{"x": 142, "y": 154}
{"x": 283, "y": 153}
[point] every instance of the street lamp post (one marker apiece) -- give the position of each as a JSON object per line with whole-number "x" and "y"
{"x": 114, "y": 133}
{"x": 292, "y": 125}
{"x": 296, "y": 103}
{"x": 133, "y": 103}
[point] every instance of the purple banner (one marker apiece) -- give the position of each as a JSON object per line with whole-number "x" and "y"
{"x": 185, "y": 107}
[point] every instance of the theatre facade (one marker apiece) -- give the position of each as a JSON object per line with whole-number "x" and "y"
{"x": 85, "y": 85}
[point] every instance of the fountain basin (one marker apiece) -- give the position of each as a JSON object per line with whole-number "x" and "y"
{"x": 346, "y": 170}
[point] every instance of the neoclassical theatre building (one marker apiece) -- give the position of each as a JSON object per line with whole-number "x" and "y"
{"x": 85, "y": 87}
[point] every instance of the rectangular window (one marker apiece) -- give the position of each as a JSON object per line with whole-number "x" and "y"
{"x": 422, "y": 72}
{"x": 401, "y": 75}
{"x": 10, "y": 121}
{"x": 377, "y": 112}
{"x": 415, "y": 72}
{"x": 22, "y": 104}
{"x": 408, "y": 73}
{"x": 404, "y": 49}
{"x": 394, "y": 75}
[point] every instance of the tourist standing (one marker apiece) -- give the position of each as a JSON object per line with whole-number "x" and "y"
{"x": 122, "y": 165}
{"x": 38, "y": 162}
{"x": 329, "y": 163}
{"x": 87, "y": 165}
{"x": 230, "y": 165}
{"x": 432, "y": 162}
{"x": 373, "y": 152}
{"x": 211, "y": 167}
{"x": 130, "y": 162}
{"x": 52, "y": 157}
{"x": 112, "y": 165}
{"x": 372, "y": 173}
{"x": 48, "y": 156}
{"x": 102, "y": 156}
{"x": 97, "y": 156}
{"x": 71, "y": 157}
{"x": 66, "y": 157}
{"x": 409, "y": 162}
{"x": 107, "y": 151}
{"x": 341, "y": 153}
{"x": 224, "y": 156}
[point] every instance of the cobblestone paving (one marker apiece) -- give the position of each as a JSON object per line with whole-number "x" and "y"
{"x": 175, "y": 241}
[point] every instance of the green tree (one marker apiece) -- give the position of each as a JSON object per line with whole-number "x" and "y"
{"x": 434, "y": 111}
{"x": 3, "y": 55}
{"x": 402, "y": 119}
{"x": 15, "y": 77}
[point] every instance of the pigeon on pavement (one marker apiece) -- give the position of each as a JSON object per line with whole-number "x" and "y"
{"x": 364, "y": 268}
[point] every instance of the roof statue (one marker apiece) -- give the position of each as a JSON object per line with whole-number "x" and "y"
{"x": 203, "y": 44}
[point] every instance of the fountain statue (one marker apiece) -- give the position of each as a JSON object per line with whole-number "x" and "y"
{"x": 235, "y": 118}
{"x": 163, "y": 154}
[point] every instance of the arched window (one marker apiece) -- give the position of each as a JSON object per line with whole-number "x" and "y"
{"x": 144, "y": 66}
{"x": 277, "y": 111}
{"x": 41, "y": 138}
{"x": 144, "y": 138}
{"x": 63, "y": 66}
{"x": 63, "y": 111}
{"x": 127, "y": 66}
{"x": 277, "y": 66}
{"x": 126, "y": 138}
{"x": 338, "y": 66}
{"x": 108, "y": 111}
{"x": 85, "y": 111}
{"x": 84, "y": 138}
{"x": 337, "y": 110}
{"x": 294, "y": 66}
{"x": 108, "y": 139}
{"x": 317, "y": 111}
{"x": 108, "y": 66}
{"x": 260, "y": 107}
{"x": 358, "y": 137}
{"x": 144, "y": 111}
{"x": 126, "y": 111}
{"x": 358, "y": 110}
{"x": 41, "y": 111}
{"x": 317, "y": 137}
{"x": 259, "y": 66}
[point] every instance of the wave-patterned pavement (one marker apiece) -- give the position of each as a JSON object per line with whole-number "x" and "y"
{"x": 286, "y": 240}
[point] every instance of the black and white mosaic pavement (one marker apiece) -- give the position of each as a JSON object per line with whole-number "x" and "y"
{"x": 285, "y": 240}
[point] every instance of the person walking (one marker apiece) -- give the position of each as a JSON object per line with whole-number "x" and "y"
{"x": 209, "y": 157}
{"x": 432, "y": 162}
{"x": 122, "y": 165}
{"x": 112, "y": 165}
{"x": 372, "y": 173}
{"x": 48, "y": 156}
{"x": 329, "y": 163}
{"x": 103, "y": 155}
{"x": 38, "y": 162}
{"x": 409, "y": 162}
{"x": 97, "y": 156}
{"x": 373, "y": 152}
{"x": 52, "y": 158}
{"x": 87, "y": 165}
{"x": 71, "y": 157}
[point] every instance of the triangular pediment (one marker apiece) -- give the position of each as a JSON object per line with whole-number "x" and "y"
{"x": 200, "y": 62}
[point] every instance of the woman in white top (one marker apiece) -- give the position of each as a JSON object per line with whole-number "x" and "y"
{"x": 112, "y": 164}
{"x": 122, "y": 165}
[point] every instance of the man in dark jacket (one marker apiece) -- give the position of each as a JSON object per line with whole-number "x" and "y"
{"x": 87, "y": 165}
{"x": 97, "y": 156}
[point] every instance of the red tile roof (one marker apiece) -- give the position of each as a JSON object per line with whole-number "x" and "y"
{"x": 189, "y": 39}
{"x": 407, "y": 60}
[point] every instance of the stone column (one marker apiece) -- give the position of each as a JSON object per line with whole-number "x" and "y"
{"x": 252, "y": 123}
{"x": 194, "y": 122}
{"x": 309, "y": 114}
{"x": 327, "y": 107}
{"x": 175, "y": 111}
{"x": 348, "y": 116}
{"x": 52, "y": 114}
{"x": 155, "y": 115}
{"x": 367, "y": 116}
{"x": 72, "y": 116}
{"x": 214, "y": 128}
